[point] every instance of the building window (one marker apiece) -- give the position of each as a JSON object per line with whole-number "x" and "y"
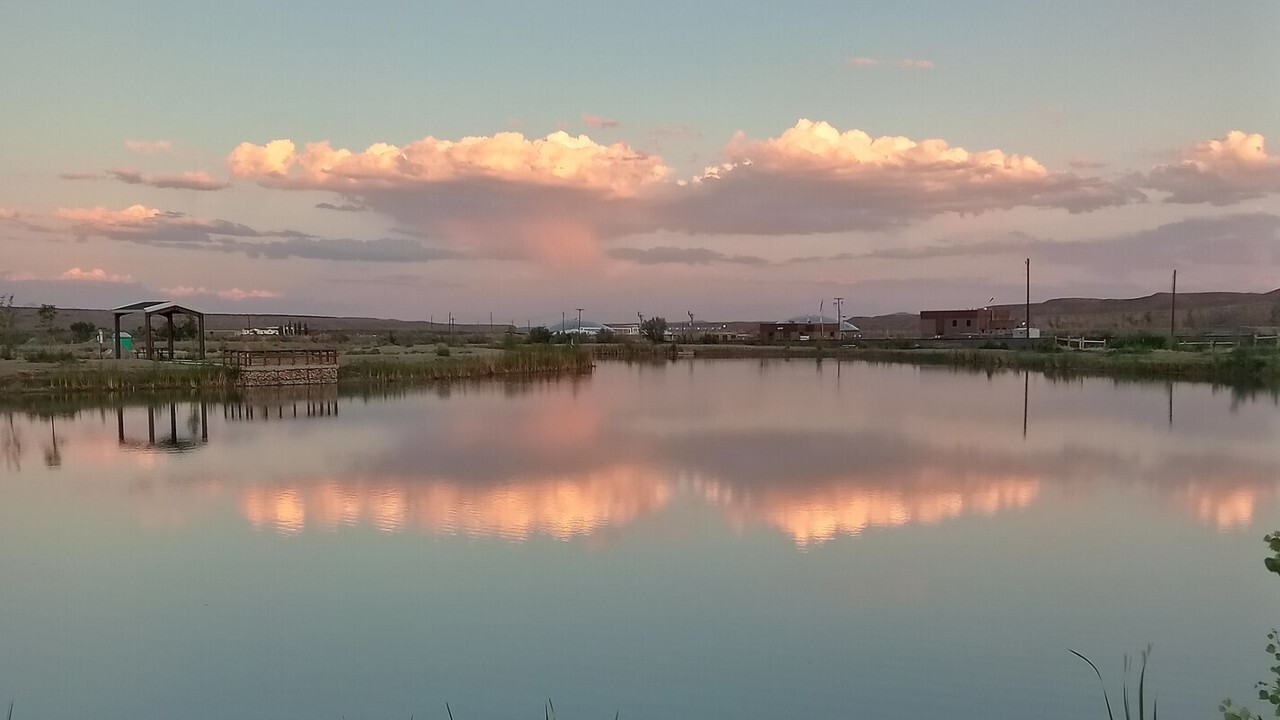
{"x": 968, "y": 323}
{"x": 954, "y": 322}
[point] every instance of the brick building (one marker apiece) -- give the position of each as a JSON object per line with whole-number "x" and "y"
{"x": 959, "y": 323}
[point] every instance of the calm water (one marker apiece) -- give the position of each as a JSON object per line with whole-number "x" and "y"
{"x": 729, "y": 539}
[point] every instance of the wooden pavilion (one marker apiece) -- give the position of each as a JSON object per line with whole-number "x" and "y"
{"x": 165, "y": 309}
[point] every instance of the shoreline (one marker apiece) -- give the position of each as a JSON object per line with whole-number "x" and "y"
{"x": 95, "y": 377}
{"x": 1249, "y": 369}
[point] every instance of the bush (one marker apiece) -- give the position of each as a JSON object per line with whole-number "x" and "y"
{"x": 442, "y": 350}
{"x": 44, "y": 356}
{"x": 539, "y": 335}
{"x": 606, "y": 336}
{"x": 1139, "y": 342}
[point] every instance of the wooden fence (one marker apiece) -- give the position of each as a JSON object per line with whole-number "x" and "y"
{"x": 278, "y": 358}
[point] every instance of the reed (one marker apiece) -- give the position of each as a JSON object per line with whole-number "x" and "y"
{"x": 108, "y": 378}
{"x": 1142, "y": 688}
{"x": 542, "y": 361}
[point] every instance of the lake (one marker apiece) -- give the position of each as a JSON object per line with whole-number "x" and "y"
{"x": 697, "y": 539}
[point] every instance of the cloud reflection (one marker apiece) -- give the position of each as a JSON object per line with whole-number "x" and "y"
{"x": 559, "y": 507}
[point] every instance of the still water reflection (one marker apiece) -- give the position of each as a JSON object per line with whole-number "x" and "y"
{"x": 699, "y": 539}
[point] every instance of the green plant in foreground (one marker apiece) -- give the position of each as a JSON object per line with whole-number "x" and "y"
{"x": 1142, "y": 678}
{"x": 1267, "y": 690}
{"x": 548, "y": 711}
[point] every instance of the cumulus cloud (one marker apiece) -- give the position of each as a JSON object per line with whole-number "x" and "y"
{"x": 1224, "y": 171}
{"x": 682, "y": 256}
{"x": 558, "y": 160}
{"x": 94, "y": 275}
{"x": 502, "y": 196}
{"x": 912, "y": 63}
{"x": 196, "y": 180}
{"x": 596, "y": 121}
{"x": 558, "y": 197}
{"x": 234, "y": 294}
{"x": 814, "y": 178}
{"x": 149, "y": 147}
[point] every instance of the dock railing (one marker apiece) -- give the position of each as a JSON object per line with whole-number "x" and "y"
{"x": 278, "y": 358}
{"x": 1082, "y": 343}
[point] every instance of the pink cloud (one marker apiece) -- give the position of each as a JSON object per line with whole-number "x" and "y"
{"x": 558, "y": 160}
{"x": 558, "y": 197}
{"x": 94, "y": 275}
{"x": 233, "y": 294}
{"x": 814, "y": 178}
{"x": 238, "y": 294}
{"x": 79, "y": 176}
{"x": 596, "y": 121}
{"x": 132, "y": 216}
{"x": 1223, "y": 171}
{"x": 184, "y": 291}
{"x": 149, "y": 147}
{"x": 196, "y": 180}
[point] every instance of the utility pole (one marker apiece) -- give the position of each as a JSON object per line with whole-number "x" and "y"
{"x": 1028, "y": 298}
{"x": 690, "y": 325}
{"x": 579, "y": 338}
{"x": 839, "y": 318}
{"x": 1173, "y": 313}
{"x": 450, "y": 326}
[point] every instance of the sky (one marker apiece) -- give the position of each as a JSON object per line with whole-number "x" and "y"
{"x": 735, "y": 160}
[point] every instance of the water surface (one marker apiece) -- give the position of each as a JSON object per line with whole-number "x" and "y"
{"x": 699, "y": 539}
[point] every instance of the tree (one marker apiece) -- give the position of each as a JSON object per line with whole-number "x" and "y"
{"x": 82, "y": 331}
{"x": 187, "y": 330}
{"x": 605, "y": 336}
{"x": 48, "y": 315}
{"x": 655, "y": 328}
{"x": 7, "y": 321}
{"x": 539, "y": 335}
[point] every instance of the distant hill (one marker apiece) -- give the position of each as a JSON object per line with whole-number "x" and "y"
{"x": 1197, "y": 312}
{"x": 27, "y": 320}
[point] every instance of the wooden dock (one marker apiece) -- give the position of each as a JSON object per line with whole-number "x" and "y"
{"x": 275, "y": 368}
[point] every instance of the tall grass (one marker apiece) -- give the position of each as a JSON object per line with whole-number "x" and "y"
{"x": 109, "y": 378}
{"x": 555, "y": 359}
{"x": 1142, "y": 688}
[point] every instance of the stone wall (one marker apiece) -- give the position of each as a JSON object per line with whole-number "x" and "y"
{"x": 274, "y": 376}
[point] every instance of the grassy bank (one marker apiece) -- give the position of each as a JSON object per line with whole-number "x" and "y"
{"x": 1245, "y": 366}
{"x": 1236, "y": 367}
{"x": 511, "y": 363}
{"x": 108, "y": 376}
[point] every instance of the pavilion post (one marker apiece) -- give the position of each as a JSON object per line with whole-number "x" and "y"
{"x": 151, "y": 345}
{"x": 200, "y": 327}
{"x": 117, "y": 336}
{"x": 169, "y": 319}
